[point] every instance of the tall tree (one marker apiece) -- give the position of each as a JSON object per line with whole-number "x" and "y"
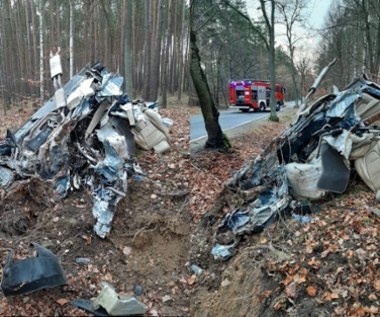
{"x": 291, "y": 13}
{"x": 269, "y": 40}
{"x": 270, "y": 24}
{"x": 41, "y": 32}
{"x": 128, "y": 48}
{"x": 71, "y": 43}
{"x": 352, "y": 34}
{"x": 156, "y": 52}
{"x": 125, "y": 35}
{"x": 166, "y": 57}
{"x": 215, "y": 136}
{"x": 147, "y": 48}
{"x": 122, "y": 39}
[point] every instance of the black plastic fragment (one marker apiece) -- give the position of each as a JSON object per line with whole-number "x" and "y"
{"x": 32, "y": 274}
{"x": 335, "y": 174}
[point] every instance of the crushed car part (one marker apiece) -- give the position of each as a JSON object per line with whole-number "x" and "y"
{"x": 117, "y": 305}
{"x": 32, "y": 274}
{"x": 303, "y": 179}
{"x": 223, "y": 252}
{"x": 86, "y": 305}
{"x": 368, "y": 168}
{"x": 335, "y": 173}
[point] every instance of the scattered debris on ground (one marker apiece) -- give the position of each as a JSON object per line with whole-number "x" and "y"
{"x": 324, "y": 264}
{"x": 322, "y": 260}
{"x": 310, "y": 257}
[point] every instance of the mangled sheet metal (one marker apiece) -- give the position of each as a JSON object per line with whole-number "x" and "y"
{"x": 315, "y": 155}
{"x": 110, "y": 303}
{"x": 85, "y": 138}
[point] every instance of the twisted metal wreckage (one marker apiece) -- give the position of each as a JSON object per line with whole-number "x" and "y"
{"x": 331, "y": 138}
{"x": 85, "y": 135}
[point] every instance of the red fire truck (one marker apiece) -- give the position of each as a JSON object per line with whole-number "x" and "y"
{"x": 254, "y": 94}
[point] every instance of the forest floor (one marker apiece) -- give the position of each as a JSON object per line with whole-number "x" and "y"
{"x": 329, "y": 266}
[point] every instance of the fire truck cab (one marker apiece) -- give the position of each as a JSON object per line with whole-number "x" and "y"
{"x": 254, "y": 94}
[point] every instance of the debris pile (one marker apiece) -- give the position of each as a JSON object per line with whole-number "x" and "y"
{"x": 84, "y": 136}
{"x": 333, "y": 138}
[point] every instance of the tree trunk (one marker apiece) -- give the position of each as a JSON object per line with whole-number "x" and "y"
{"x": 216, "y": 138}
{"x": 165, "y": 64}
{"x": 34, "y": 44}
{"x": 71, "y": 43}
{"x": 122, "y": 41}
{"x": 155, "y": 76}
{"x": 128, "y": 48}
{"x": 180, "y": 51}
{"x": 41, "y": 31}
{"x": 147, "y": 49}
{"x": 269, "y": 21}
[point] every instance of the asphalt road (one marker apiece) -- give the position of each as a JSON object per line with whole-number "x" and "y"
{"x": 228, "y": 119}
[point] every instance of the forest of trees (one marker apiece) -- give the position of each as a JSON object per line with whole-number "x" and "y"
{"x": 231, "y": 50}
{"x": 352, "y": 35}
{"x": 228, "y": 48}
{"x": 148, "y": 43}
{"x": 145, "y": 41}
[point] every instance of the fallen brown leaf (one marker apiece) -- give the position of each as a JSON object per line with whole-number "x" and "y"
{"x": 311, "y": 291}
{"x": 62, "y": 301}
{"x": 291, "y": 290}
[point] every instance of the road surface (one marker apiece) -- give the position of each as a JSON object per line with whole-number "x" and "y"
{"x": 228, "y": 119}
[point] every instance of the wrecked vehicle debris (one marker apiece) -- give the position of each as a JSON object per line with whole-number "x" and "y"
{"x": 109, "y": 303}
{"x": 117, "y": 305}
{"x": 87, "y": 139}
{"x": 223, "y": 252}
{"x": 332, "y": 138}
{"x": 32, "y": 274}
{"x": 86, "y": 305}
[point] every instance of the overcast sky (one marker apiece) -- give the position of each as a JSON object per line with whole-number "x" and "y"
{"x": 317, "y": 9}
{"x": 316, "y": 13}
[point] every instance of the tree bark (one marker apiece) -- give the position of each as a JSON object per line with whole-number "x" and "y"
{"x": 147, "y": 49}
{"x": 122, "y": 41}
{"x": 216, "y": 138}
{"x": 128, "y": 48}
{"x": 41, "y": 31}
{"x": 272, "y": 58}
{"x": 71, "y": 41}
{"x": 155, "y": 76}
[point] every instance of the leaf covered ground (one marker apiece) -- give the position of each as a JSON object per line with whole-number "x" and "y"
{"x": 326, "y": 267}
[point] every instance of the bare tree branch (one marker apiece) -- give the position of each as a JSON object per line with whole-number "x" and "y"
{"x": 254, "y": 28}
